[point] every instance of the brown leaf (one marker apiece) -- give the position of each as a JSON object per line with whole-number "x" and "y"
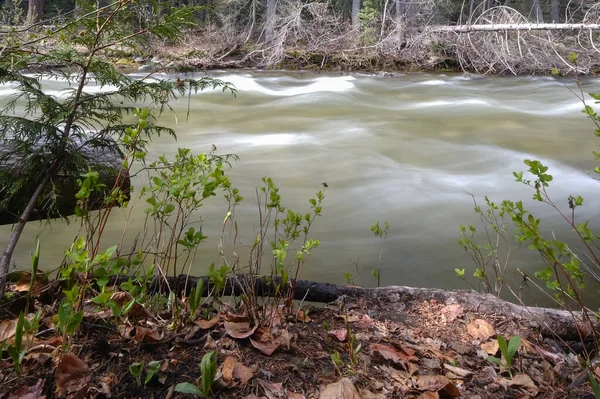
{"x": 242, "y": 373}
{"x": 239, "y": 330}
{"x": 72, "y": 375}
{"x": 29, "y": 391}
{"x": 273, "y": 390}
{"x": 428, "y": 395}
{"x": 340, "y": 334}
{"x": 302, "y": 315}
{"x": 437, "y": 383}
{"x": 491, "y": 347}
{"x": 285, "y": 338}
{"x": 263, "y": 341}
{"x": 39, "y": 284}
{"x": 227, "y": 370}
{"x": 343, "y": 389}
{"x": 208, "y": 324}
{"x": 381, "y": 353}
{"x": 480, "y": 329}
{"x": 365, "y": 322}
{"x": 144, "y": 335}
{"x": 295, "y": 395}
{"x": 457, "y": 371}
{"x": 452, "y": 312}
{"x": 525, "y": 382}
{"x": 8, "y": 328}
{"x": 137, "y": 311}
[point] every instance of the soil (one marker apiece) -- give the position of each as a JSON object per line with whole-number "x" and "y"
{"x": 372, "y": 346}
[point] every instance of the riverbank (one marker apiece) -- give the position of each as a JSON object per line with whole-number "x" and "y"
{"x": 426, "y": 53}
{"x": 396, "y": 342}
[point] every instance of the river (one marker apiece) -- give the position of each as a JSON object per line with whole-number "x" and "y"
{"x": 402, "y": 149}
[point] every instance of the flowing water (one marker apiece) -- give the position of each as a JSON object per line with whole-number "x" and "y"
{"x": 402, "y": 149}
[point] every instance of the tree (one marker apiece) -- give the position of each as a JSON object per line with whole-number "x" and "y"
{"x": 50, "y": 136}
{"x": 35, "y": 11}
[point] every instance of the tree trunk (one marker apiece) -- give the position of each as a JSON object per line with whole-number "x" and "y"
{"x": 400, "y": 21}
{"x": 536, "y": 11}
{"x": 471, "y": 10}
{"x": 355, "y": 11}
{"x": 270, "y": 20}
{"x": 35, "y": 13}
{"x": 19, "y": 226}
{"x": 554, "y": 11}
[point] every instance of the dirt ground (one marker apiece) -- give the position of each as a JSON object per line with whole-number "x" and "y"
{"x": 384, "y": 347}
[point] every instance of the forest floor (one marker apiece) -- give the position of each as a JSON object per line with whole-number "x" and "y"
{"x": 365, "y": 347}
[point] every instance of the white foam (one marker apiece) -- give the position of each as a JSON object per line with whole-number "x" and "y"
{"x": 277, "y": 139}
{"x": 246, "y": 83}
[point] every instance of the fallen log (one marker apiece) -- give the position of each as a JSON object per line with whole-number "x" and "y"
{"x": 108, "y": 164}
{"x": 549, "y": 322}
{"x": 510, "y": 27}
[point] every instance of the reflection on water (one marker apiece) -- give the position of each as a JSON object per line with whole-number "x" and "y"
{"x": 405, "y": 149}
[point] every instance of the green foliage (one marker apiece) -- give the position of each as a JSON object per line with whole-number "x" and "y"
{"x": 208, "y": 371}
{"x": 508, "y": 351}
{"x": 595, "y": 385}
{"x": 69, "y": 319}
{"x": 195, "y": 297}
{"x": 367, "y": 17}
{"x": 382, "y": 233}
{"x": 137, "y": 370}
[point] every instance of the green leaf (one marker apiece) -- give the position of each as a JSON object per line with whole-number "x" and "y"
{"x": 513, "y": 347}
{"x": 187, "y": 388}
{"x": 74, "y": 322}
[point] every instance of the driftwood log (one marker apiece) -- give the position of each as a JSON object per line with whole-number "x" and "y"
{"x": 549, "y": 322}
{"x": 108, "y": 164}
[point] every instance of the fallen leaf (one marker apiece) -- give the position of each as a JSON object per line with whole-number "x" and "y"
{"x": 39, "y": 284}
{"x": 365, "y": 322}
{"x": 208, "y": 324}
{"x": 29, "y": 391}
{"x": 295, "y": 395}
{"x": 451, "y": 312}
{"x": 491, "y": 347}
{"x": 263, "y": 341}
{"x": 285, "y": 338}
{"x": 144, "y": 335}
{"x": 525, "y": 382}
{"x": 340, "y": 334}
{"x": 239, "y": 330}
{"x": 8, "y": 327}
{"x": 210, "y": 343}
{"x": 72, "y": 375}
{"x": 480, "y": 329}
{"x": 437, "y": 383}
{"x": 457, "y": 371}
{"x": 343, "y": 389}
{"x": 428, "y": 395}
{"x": 242, "y": 373}
{"x": 302, "y": 315}
{"x": 227, "y": 370}
{"x": 381, "y": 353}
{"x": 273, "y": 390}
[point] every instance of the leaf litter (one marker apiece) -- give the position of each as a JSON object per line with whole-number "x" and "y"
{"x": 360, "y": 349}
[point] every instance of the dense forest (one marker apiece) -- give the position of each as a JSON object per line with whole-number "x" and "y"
{"x": 380, "y": 34}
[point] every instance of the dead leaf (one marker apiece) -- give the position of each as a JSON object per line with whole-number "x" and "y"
{"x": 263, "y": 341}
{"x": 457, "y": 371}
{"x": 451, "y": 312}
{"x": 295, "y": 395}
{"x": 365, "y": 322}
{"x": 72, "y": 375}
{"x": 340, "y": 334}
{"x": 210, "y": 343}
{"x": 144, "y": 335}
{"x": 39, "y": 284}
{"x": 137, "y": 311}
{"x": 242, "y": 373}
{"x": 525, "y": 382}
{"x": 285, "y": 338}
{"x": 382, "y": 353}
{"x": 273, "y": 390}
{"x": 437, "y": 383}
{"x": 428, "y": 395}
{"x": 8, "y": 328}
{"x": 239, "y": 330}
{"x": 208, "y": 324}
{"x": 29, "y": 391}
{"x": 491, "y": 347}
{"x": 302, "y": 315}
{"x": 227, "y": 370}
{"x": 343, "y": 389}
{"x": 480, "y": 329}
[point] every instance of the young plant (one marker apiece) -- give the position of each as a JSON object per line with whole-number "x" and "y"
{"x": 195, "y": 297}
{"x": 508, "y": 351}
{"x": 382, "y": 234}
{"x": 208, "y": 371}
{"x": 137, "y": 370}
